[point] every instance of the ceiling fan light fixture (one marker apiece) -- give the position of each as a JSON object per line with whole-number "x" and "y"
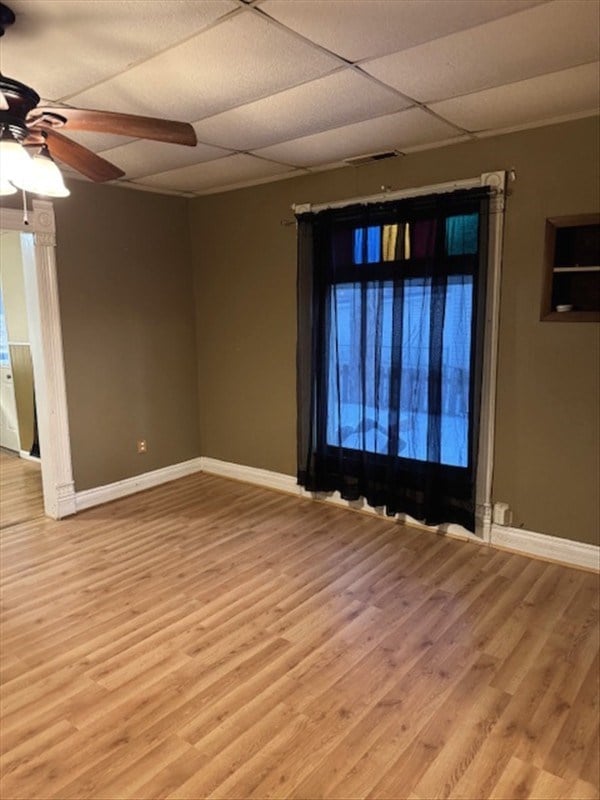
{"x": 7, "y": 188}
{"x": 14, "y": 160}
{"x": 43, "y": 176}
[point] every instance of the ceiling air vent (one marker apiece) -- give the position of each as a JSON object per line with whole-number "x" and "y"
{"x": 358, "y": 161}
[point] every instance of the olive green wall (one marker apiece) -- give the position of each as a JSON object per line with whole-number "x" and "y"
{"x": 546, "y": 464}
{"x": 125, "y": 290}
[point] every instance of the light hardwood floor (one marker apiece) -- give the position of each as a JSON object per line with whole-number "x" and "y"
{"x": 21, "y": 489}
{"x": 213, "y": 639}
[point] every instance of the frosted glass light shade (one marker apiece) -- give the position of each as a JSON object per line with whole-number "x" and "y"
{"x": 6, "y": 188}
{"x": 43, "y": 177}
{"x": 14, "y": 160}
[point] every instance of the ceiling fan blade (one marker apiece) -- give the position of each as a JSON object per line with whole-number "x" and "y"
{"x": 81, "y": 159}
{"x": 161, "y": 130}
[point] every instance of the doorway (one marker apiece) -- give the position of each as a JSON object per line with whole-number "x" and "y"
{"x": 17, "y": 404}
{"x": 20, "y": 480}
{"x": 36, "y": 240}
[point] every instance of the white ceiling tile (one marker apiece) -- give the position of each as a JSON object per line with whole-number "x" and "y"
{"x": 391, "y": 132}
{"x": 337, "y": 99}
{"x": 63, "y": 46}
{"x": 417, "y": 148}
{"x": 509, "y": 49}
{"x": 527, "y": 126}
{"x": 567, "y": 92}
{"x": 241, "y": 59}
{"x": 144, "y": 157}
{"x": 358, "y": 29}
{"x": 222, "y": 172}
{"x": 283, "y": 176}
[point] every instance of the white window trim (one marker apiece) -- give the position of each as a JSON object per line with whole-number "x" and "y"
{"x": 43, "y": 312}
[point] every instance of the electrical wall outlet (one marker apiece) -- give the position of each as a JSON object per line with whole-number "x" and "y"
{"x": 142, "y": 447}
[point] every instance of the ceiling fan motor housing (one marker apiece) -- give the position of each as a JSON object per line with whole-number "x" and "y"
{"x": 21, "y": 99}
{"x": 7, "y": 17}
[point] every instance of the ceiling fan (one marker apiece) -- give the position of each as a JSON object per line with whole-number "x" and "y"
{"x": 26, "y": 124}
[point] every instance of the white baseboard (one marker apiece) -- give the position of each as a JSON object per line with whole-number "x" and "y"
{"x": 550, "y": 548}
{"x": 540, "y": 545}
{"x": 65, "y": 501}
{"x": 113, "y": 491}
{"x": 24, "y": 454}
{"x": 260, "y": 477}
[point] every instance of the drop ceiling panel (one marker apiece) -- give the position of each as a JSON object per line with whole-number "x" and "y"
{"x": 250, "y": 84}
{"x": 358, "y": 29}
{"x": 63, "y": 46}
{"x": 243, "y": 58}
{"x": 136, "y": 157}
{"x": 391, "y": 132}
{"x": 224, "y": 172}
{"x": 328, "y": 102}
{"x": 509, "y": 49}
{"x": 571, "y": 91}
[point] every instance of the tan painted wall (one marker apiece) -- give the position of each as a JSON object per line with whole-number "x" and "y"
{"x": 13, "y": 287}
{"x": 125, "y": 288}
{"x": 15, "y": 308}
{"x": 546, "y": 464}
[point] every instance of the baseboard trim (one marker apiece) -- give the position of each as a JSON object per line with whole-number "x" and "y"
{"x": 260, "y": 477}
{"x": 529, "y": 543}
{"x": 28, "y": 457}
{"x": 65, "y": 500}
{"x": 549, "y": 548}
{"x": 138, "y": 483}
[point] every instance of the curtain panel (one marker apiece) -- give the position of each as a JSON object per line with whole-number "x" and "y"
{"x": 391, "y": 318}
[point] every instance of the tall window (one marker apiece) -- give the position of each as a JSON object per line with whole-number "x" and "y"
{"x": 390, "y": 334}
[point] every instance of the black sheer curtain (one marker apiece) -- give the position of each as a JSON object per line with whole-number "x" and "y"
{"x": 391, "y": 310}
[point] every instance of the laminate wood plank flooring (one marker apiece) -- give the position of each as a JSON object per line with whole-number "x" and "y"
{"x": 211, "y": 639}
{"x": 20, "y": 489}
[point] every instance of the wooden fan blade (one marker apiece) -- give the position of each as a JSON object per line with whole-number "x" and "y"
{"x": 81, "y": 159}
{"x": 161, "y": 130}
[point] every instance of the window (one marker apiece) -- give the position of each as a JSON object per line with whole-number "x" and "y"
{"x": 390, "y": 337}
{"x": 357, "y": 411}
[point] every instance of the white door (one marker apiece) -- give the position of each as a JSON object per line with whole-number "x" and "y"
{"x": 9, "y": 427}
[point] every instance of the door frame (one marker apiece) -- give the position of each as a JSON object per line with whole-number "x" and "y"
{"x": 38, "y": 248}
